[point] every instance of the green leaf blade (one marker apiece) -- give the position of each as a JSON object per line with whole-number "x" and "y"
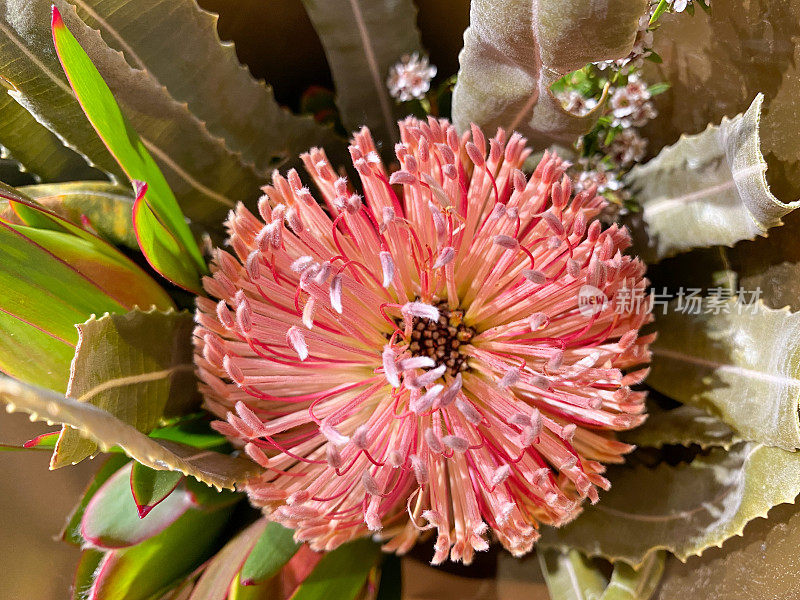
{"x": 274, "y": 548}
{"x": 117, "y": 133}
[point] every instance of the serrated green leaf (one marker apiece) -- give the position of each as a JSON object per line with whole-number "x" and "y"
{"x": 515, "y": 50}
{"x": 628, "y": 583}
{"x": 740, "y": 365}
{"x": 203, "y": 173}
{"x": 169, "y": 40}
{"x": 707, "y": 189}
{"x": 71, "y": 532}
{"x": 120, "y": 137}
{"x": 341, "y": 573}
{"x": 274, "y": 548}
{"x": 112, "y": 518}
{"x": 137, "y": 366}
{"x": 684, "y": 509}
{"x": 36, "y": 148}
{"x": 760, "y": 565}
{"x": 150, "y": 487}
{"x": 223, "y": 568}
{"x": 684, "y": 425}
{"x": 140, "y": 572}
{"x": 570, "y": 575}
{"x": 106, "y": 206}
{"x": 362, "y": 40}
{"x": 105, "y": 430}
{"x": 194, "y": 432}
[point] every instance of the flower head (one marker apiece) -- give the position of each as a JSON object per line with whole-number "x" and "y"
{"x": 410, "y": 78}
{"x": 422, "y": 357}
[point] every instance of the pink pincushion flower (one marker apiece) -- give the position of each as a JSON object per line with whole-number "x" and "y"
{"x": 418, "y": 358}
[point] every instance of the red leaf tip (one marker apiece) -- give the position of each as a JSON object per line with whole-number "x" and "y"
{"x": 139, "y": 188}
{"x": 57, "y": 21}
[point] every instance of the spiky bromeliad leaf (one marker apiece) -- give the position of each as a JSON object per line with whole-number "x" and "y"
{"x": 204, "y": 174}
{"x": 571, "y": 576}
{"x": 362, "y": 40}
{"x": 515, "y": 50}
{"x": 137, "y": 366}
{"x": 106, "y": 431}
{"x": 684, "y": 425}
{"x": 707, "y": 189}
{"x": 684, "y": 509}
{"x": 36, "y": 148}
{"x": 740, "y": 364}
{"x": 171, "y": 40}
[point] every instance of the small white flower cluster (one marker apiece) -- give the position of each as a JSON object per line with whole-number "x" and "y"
{"x": 631, "y": 105}
{"x": 410, "y": 78}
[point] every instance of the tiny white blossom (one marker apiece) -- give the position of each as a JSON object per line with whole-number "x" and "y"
{"x": 410, "y": 78}
{"x": 679, "y": 5}
{"x": 627, "y": 147}
{"x": 631, "y": 105}
{"x": 576, "y": 103}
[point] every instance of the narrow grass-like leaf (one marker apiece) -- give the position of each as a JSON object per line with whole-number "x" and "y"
{"x": 212, "y": 468}
{"x": 204, "y": 174}
{"x": 275, "y": 547}
{"x": 169, "y": 40}
{"x": 223, "y": 569}
{"x": 341, "y": 573}
{"x": 158, "y": 243}
{"x": 105, "y": 207}
{"x": 119, "y": 136}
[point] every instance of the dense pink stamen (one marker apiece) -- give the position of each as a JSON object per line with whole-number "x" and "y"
{"x": 324, "y": 368}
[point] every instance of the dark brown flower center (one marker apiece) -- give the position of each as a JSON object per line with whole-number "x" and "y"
{"x": 442, "y": 340}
